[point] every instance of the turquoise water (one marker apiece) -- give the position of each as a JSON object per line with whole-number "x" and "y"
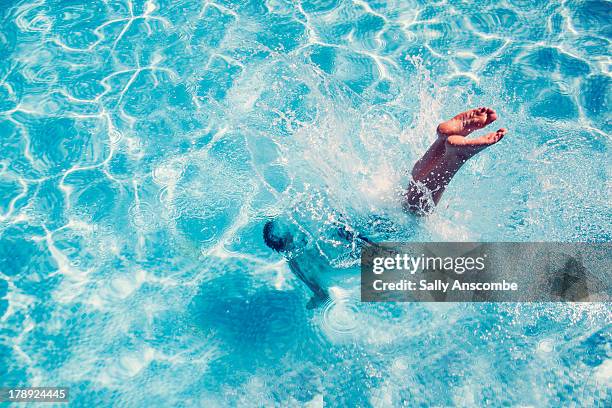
{"x": 144, "y": 144}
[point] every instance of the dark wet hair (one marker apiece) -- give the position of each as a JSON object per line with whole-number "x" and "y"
{"x": 277, "y": 243}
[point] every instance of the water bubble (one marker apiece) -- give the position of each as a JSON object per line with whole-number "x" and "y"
{"x": 168, "y": 173}
{"x": 114, "y": 136}
{"x": 546, "y": 346}
{"x": 142, "y": 217}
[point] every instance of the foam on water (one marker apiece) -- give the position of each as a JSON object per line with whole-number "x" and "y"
{"x": 144, "y": 144}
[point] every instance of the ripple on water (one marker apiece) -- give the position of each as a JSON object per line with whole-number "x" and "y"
{"x": 339, "y": 318}
{"x": 321, "y": 6}
{"x": 358, "y": 71}
{"x": 554, "y": 104}
{"x": 169, "y": 173}
{"x": 546, "y": 346}
{"x": 213, "y": 116}
{"x": 497, "y": 21}
{"x": 143, "y": 217}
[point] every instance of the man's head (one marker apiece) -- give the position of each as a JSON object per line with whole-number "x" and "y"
{"x": 277, "y": 236}
{"x": 282, "y": 236}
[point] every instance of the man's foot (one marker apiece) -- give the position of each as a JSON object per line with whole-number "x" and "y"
{"x": 466, "y": 148}
{"x": 465, "y": 123}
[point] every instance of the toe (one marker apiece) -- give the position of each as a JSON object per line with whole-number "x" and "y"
{"x": 491, "y": 115}
{"x": 497, "y": 136}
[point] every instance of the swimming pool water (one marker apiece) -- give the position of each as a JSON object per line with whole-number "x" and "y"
{"x": 144, "y": 144}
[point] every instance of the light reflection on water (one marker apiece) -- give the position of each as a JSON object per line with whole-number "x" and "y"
{"x": 144, "y": 144}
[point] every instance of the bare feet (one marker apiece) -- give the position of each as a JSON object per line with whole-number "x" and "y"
{"x": 451, "y": 139}
{"x": 432, "y": 172}
{"x": 466, "y": 122}
{"x": 466, "y": 148}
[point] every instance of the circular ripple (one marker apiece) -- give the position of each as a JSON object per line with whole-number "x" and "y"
{"x": 546, "y": 346}
{"x": 114, "y": 136}
{"x": 339, "y": 319}
{"x": 142, "y": 217}
{"x": 168, "y": 173}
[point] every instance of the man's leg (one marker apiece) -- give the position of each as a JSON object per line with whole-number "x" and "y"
{"x": 432, "y": 173}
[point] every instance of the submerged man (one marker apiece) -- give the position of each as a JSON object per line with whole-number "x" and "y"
{"x": 430, "y": 176}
